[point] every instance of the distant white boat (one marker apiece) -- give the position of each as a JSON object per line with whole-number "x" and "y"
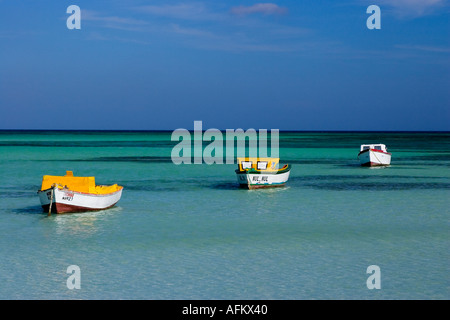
{"x": 61, "y": 194}
{"x": 371, "y": 155}
{"x": 255, "y": 173}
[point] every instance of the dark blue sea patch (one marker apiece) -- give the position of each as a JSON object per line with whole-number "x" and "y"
{"x": 361, "y": 177}
{"x": 18, "y": 193}
{"x": 372, "y": 183}
{"x": 140, "y": 159}
{"x": 163, "y": 185}
{"x": 86, "y": 144}
{"x": 389, "y": 186}
{"x": 29, "y": 210}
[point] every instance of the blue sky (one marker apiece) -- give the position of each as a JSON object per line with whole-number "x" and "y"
{"x": 288, "y": 65}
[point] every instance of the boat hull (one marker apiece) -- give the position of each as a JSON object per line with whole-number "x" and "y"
{"x": 65, "y": 200}
{"x": 372, "y": 158}
{"x": 262, "y": 180}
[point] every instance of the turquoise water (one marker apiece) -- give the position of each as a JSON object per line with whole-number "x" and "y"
{"x": 188, "y": 231}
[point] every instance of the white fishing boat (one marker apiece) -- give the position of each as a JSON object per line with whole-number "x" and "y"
{"x": 371, "y": 155}
{"x": 255, "y": 173}
{"x": 62, "y": 194}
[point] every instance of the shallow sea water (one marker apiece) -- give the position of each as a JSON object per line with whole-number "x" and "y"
{"x": 189, "y": 232}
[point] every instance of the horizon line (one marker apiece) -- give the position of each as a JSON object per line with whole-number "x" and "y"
{"x": 223, "y": 130}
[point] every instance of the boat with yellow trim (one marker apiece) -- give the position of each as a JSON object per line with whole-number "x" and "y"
{"x": 255, "y": 173}
{"x": 61, "y": 194}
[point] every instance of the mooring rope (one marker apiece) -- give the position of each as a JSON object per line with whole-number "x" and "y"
{"x": 51, "y": 201}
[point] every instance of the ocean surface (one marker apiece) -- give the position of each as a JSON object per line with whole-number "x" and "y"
{"x": 188, "y": 232}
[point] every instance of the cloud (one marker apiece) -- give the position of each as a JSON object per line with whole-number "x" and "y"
{"x": 114, "y": 22}
{"x": 191, "y": 31}
{"x": 187, "y": 11}
{"x": 96, "y": 36}
{"x": 204, "y": 26}
{"x": 413, "y": 8}
{"x": 264, "y": 8}
{"x": 424, "y": 48}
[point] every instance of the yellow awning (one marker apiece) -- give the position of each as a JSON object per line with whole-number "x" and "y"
{"x": 80, "y": 184}
{"x": 261, "y": 164}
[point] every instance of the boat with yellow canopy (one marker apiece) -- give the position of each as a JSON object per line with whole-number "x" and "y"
{"x": 61, "y": 194}
{"x": 255, "y": 173}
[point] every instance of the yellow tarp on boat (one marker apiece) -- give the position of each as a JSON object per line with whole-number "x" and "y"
{"x": 107, "y": 189}
{"x": 80, "y": 184}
